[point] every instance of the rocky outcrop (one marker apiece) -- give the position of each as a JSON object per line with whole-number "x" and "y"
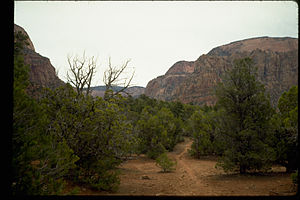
{"x": 29, "y": 44}
{"x": 135, "y": 91}
{"x": 182, "y": 67}
{"x": 194, "y": 82}
{"x": 275, "y": 44}
{"x": 164, "y": 87}
{"x": 42, "y": 73}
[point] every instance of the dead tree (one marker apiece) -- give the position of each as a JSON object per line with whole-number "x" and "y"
{"x": 82, "y": 72}
{"x": 112, "y": 78}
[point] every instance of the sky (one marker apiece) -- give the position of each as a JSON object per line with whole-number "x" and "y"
{"x": 153, "y": 35}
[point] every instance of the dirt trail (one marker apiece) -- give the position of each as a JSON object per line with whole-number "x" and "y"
{"x": 141, "y": 176}
{"x": 189, "y": 183}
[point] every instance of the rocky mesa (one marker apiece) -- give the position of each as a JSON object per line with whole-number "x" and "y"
{"x": 194, "y": 82}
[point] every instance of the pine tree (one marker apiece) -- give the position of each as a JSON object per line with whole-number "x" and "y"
{"x": 285, "y": 130}
{"x": 158, "y": 131}
{"x": 200, "y": 130}
{"x": 247, "y": 112}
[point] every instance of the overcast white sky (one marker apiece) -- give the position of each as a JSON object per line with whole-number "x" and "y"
{"x": 154, "y": 35}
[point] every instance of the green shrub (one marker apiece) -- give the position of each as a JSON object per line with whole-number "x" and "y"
{"x": 200, "y": 130}
{"x": 201, "y": 145}
{"x": 164, "y": 162}
{"x": 156, "y": 150}
{"x": 158, "y": 132}
{"x": 294, "y": 177}
{"x": 108, "y": 180}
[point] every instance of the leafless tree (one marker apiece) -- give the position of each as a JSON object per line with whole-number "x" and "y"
{"x": 112, "y": 78}
{"x": 82, "y": 72}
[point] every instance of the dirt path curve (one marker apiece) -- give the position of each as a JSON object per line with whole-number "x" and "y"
{"x": 141, "y": 176}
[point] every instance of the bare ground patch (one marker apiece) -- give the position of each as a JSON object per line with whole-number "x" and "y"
{"x": 141, "y": 176}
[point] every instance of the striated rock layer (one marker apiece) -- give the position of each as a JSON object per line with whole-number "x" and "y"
{"x": 194, "y": 82}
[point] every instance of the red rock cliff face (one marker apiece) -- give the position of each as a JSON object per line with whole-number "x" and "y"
{"x": 276, "y": 59}
{"x": 42, "y": 73}
{"x": 164, "y": 87}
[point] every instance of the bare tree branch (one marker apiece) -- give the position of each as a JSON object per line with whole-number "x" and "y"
{"x": 82, "y": 71}
{"x": 112, "y": 78}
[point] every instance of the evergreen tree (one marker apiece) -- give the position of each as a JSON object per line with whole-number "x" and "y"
{"x": 158, "y": 131}
{"x": 96, "y": 130}
{"x": 247, "y": 112}
{"x": 285, "y": 130}
{"x": 200, "y": 130}
{"x": 150, "y": 132}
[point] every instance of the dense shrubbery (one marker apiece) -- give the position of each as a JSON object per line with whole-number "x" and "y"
{"x": 96, "y": 130}
{"x": 158, "y": 125}
{"x": 158, "y": 132}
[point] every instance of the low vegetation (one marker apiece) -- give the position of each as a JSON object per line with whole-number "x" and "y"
{"x": 164, "y": 162}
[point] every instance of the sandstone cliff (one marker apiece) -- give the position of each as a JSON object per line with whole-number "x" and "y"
{"x": 42, "y": 73}
{"x": 276, "y": 59}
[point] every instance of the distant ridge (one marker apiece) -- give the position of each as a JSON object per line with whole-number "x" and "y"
{"x": 134, "y": 91}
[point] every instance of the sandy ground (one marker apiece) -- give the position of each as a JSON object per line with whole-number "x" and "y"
{"x": 141, "y": 176}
